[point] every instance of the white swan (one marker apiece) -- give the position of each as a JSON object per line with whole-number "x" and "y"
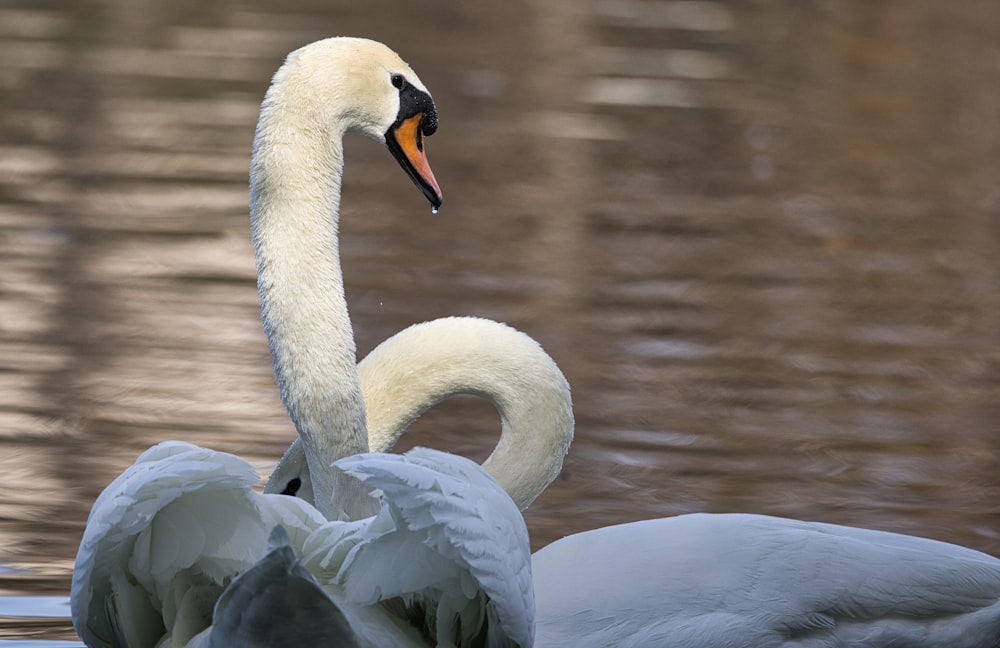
{"x": 693, "y": 580}
{"x": 678, "y": 576}
{"x": 168, "y": 536}
{"x": 685, "y": 581}
{"x": 174, "y": 530}
{"x": 426, "y": 363}
{"x": 701, "y": 580}
{"x": 179, "y": 540}
{"x": 322, "y": 91}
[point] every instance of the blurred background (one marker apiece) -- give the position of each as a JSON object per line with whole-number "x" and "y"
{"x": 761, "y": 239}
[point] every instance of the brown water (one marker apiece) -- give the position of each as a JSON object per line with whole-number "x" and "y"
{"x": 761, "y": 240}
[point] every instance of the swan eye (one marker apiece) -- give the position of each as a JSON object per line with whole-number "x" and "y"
{"x": 397, "y": 80}
{"x": 293, "y": 487}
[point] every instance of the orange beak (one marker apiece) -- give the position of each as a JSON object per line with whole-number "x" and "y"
{"x": 406, "y": 143}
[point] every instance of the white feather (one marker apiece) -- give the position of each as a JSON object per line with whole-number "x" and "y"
{"x": 165, "y": 537}
{"x": 463, "y": 533}
{"x": 172, "y": 534}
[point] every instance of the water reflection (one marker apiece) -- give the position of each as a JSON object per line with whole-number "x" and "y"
{"x": 759, "y": 240}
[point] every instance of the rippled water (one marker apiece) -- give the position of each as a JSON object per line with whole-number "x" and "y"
{"x": 761, "y": 240}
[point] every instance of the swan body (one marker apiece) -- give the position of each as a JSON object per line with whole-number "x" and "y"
{"x": 428, "y": 362}
{"x": 176, "y": 554}
{"x": 705, "y": 580}
{"x": 321, "y": 92}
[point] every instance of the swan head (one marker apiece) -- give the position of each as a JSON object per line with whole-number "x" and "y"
{"x": 343, "y": 84}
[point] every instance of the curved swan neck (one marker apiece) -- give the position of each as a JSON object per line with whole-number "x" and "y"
{"x": 294, "y": 200}
{"x": 427, "y": 363}
{"x": 423, "y": 365}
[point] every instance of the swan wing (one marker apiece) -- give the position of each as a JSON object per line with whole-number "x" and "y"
{"x": 449, "y": 547}
{"x": 749, "y": 580}
{"x": 165, "y": 538}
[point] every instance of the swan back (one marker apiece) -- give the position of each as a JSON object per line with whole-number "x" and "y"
{"x": 704, "y": 580}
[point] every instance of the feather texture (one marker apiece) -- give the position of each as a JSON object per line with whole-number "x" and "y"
{"x": 462, "y": 539}
{"x": 706, "y": 580}
{"x": 180, "y": 538}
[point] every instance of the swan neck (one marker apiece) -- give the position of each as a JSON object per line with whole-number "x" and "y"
{"x": 413, "y": 371}
{"x": 294, "y": 200}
